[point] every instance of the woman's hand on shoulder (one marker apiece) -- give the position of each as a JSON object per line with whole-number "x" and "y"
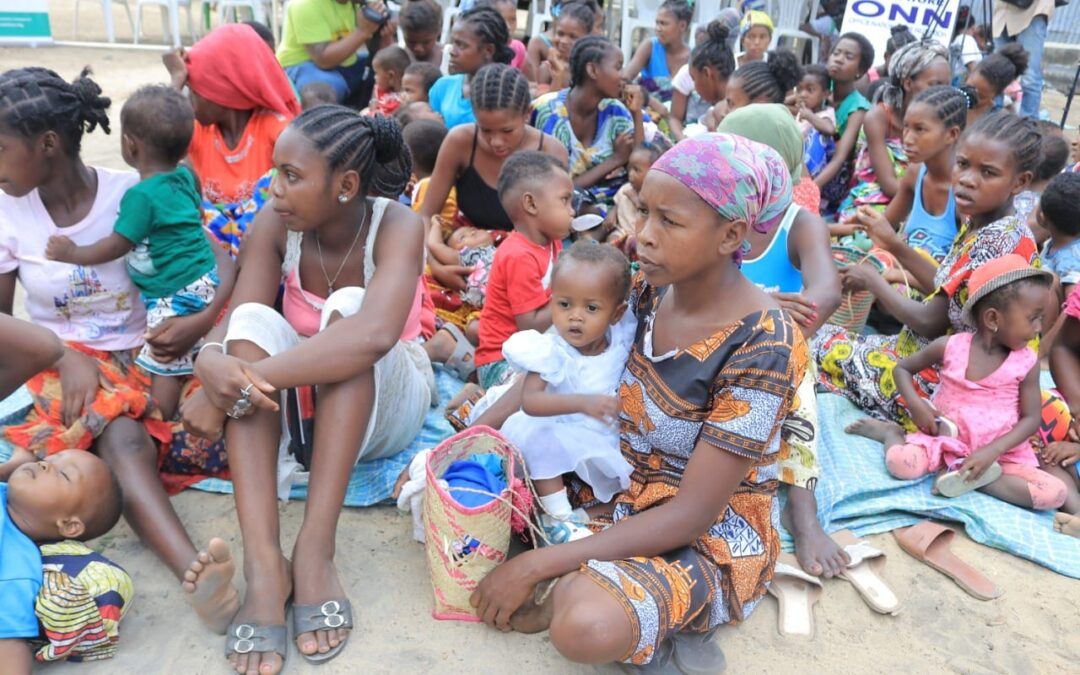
{"x": 225, "y": 377}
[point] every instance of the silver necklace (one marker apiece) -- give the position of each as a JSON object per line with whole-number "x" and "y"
{"x": 330, "y": 282}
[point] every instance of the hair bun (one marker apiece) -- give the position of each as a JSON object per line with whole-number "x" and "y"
{"x": 717, "y": 31}
{"x": 971, "y": 95}
{"x": 386, "y": 135}
{"x": 93, "y": 105}
{"x": 1017, "y": 55}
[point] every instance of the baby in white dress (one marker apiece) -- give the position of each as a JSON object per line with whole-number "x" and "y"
{"x": 570, "y": 407}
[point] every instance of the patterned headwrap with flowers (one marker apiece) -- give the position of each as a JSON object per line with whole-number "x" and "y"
{"x": 740, "y": 179}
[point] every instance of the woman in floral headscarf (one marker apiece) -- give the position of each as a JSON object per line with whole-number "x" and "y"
{"x": 713, "y": 371}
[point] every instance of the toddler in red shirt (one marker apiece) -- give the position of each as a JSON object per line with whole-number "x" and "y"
{"x": 389, "y": 65}
{"x": 536, "y": 192}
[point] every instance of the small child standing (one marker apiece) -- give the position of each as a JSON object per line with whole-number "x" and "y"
{"x": 389, "y": 65}
{"x": 1059, "y": 214}
{"x": 159, "y": 228}
{"x": 537, "y": 193}
{"x": 417, "y": 82}
{"x": 979, "y": 422}
{"x": 816, "y": 118}
{"x": 569, "y": 405}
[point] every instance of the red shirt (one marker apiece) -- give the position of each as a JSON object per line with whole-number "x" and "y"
{"x": 520, "y": 282}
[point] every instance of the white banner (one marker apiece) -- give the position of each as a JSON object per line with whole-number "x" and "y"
{"x": 24, "y": 22}
{"x": 875, "y": 19}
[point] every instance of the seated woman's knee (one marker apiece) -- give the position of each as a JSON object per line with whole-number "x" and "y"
{"x": 583, "y": 629}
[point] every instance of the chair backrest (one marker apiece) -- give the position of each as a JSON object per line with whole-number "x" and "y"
{"x": 539, "y": 16}
{"x": 790, "y": 14}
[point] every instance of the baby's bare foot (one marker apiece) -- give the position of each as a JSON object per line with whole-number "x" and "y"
{"x": 208, "y": 583}
{"x": 888, "y": 433}
{"x": 1067, "y": 524}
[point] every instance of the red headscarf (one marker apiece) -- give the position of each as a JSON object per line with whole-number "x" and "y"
{"x": 233, "y": 67}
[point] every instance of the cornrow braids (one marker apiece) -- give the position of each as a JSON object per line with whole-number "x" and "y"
{"x": 949, "y": 104}
{"x": 714, "y": 50}
{"x": 581, "y": 12}
{"x": 905, "y": 64}
{"x": 1019, "y": 133}
{"x": 768, "y": 81}
{"x": 589, "y": 49}
{"x": 490, "y": 28}
{"x": 498, "y": 86}
{"x": 420, "y": 16}
{"x": 371, "y": 146}
{"x": 36, "y": 100}
{"x": 680, "y": 9}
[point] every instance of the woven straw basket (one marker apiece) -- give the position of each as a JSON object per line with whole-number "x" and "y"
{"x": 854, "y": 306}
{"x": 464, "y": 544}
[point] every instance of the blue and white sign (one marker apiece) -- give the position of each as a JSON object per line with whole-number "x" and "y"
{"x": 875, "y": 19}
{"x": 24, "y": 22}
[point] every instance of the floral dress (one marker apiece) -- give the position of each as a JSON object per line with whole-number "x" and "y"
{"x": 860, "y": 367}
{"x": 730, "y": 391}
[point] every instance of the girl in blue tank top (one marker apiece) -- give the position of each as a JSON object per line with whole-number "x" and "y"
{"x": 922, "y": 216}
{"x": 659, "y": 58}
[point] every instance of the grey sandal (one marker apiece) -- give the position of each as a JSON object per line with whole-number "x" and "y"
{"x": 245, "y": 638}
{"x": 326, "y": 616}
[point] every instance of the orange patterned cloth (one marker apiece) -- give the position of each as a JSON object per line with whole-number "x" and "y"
{"x": 43, "y": 432}
{"x": 731, "y": 391}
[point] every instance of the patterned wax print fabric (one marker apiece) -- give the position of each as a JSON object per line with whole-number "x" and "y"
{"x": 860, "y": 367}
{"x": 729, "y": 393}
{"x": 551, "y": 116}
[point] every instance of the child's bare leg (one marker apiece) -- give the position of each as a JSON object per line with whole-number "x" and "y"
{"x": 252, "y": 443}
{"x": 341, "y": 419}
{"x": 166, "y": 391}
{"x": 1029, "y": 487}
{"x": 133, "y": 457}
{"x": 886, "y": 433}
{"x": 472, "y": 331}
{"x": 817, "y": 553}
{"x": 1012, "y": 489}
{"x": 549, "y": 486}
{"x": 16, "y": 656}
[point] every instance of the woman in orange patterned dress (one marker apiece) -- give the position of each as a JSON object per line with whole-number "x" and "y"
{"x": 690, "y": 545}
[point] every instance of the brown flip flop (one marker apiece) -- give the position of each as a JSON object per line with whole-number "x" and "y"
{"x": 930, "y": 542}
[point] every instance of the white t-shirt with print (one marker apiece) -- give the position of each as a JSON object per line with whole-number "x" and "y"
{"x": 95, "y": 305}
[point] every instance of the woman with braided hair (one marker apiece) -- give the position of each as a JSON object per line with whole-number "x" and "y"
{"x": 479, "y": 37}
{"x": 470, "y": 159}
{"x": 880, "y": 161}
{"x": 350, "y": 263}
{"x": 94, "y": 398}
{"x": 589, "y": 119}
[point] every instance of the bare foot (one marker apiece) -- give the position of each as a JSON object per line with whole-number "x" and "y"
{"x": 208, "y": 583}
{"x": 535, "y": 615}
{"x": 268, "y": 588}
{"x": 886, "y": 433}
{"x": 316, "y": 581}
{"x": 817, "y": 553}
{"x": 1067, "y": 524}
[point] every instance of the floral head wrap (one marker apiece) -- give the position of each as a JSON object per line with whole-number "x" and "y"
{"x": 739, "y": 178}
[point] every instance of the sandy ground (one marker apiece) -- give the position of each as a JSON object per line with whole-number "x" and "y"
{"x": 1032, "y": 629}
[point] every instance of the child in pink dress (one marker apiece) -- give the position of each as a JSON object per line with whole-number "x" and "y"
{"x": 980, "y": 420}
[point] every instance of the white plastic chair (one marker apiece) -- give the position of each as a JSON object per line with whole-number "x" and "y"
{"x": 788, "y": 16}
{"x": 540, "y": 16}
{"x": 170, "y": 18}
{"x": 451, "y": 10}
{"x": 704, "y": 12}
{"x": 644, "y": 16}
{"x": 256, "y": 7}
{"x": 106, "y": 9}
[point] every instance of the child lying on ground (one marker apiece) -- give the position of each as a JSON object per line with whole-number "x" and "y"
{"x": 569, "y": 408}
{"x": 158, "y": 230}
{"x": 978, "y": 425}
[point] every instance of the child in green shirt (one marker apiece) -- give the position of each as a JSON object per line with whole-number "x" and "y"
{"x": 159, "y": 228}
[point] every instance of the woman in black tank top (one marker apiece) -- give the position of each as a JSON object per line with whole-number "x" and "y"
{"x": 471, "y": 157}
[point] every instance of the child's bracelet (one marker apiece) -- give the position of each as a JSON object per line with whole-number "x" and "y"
{"x": 213, "y": 344}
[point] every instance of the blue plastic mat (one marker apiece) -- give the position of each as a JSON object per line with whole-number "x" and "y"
{"x": 856, "y": 492}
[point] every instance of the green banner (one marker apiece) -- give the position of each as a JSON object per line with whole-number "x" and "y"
{"x": 24, "y": 21}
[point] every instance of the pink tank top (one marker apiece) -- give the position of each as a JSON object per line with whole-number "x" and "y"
{"x": 303, "y": 310}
